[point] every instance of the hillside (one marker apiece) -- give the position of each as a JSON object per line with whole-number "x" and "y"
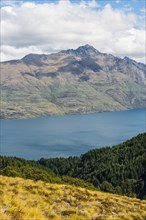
{"x": 71, "y": 81}
{"x": 119, "y": 169}
{"x": 26, "y": 199}
{"x": 17, "y": 167}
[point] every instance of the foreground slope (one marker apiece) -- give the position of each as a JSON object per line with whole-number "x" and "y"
{"x": 71, "y": 81}
{"x": 26, "y": 199}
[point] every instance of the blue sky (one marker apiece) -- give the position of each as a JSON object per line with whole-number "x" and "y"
{"x": 46, "y": 26}
{"x": 136, "y": 5}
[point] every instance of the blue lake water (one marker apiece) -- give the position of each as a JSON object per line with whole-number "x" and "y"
{"x": 62, "y": 136}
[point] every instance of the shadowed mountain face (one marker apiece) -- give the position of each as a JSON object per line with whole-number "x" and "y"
{"x": 71, "y": 81}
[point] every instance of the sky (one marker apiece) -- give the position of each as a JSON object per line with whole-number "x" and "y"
{"x": 47, "y": 26}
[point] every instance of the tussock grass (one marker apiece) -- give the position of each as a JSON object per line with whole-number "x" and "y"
{"x": 22, "y": 199}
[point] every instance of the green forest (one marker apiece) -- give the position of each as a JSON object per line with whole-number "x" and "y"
{"x": 120, "y": 169}
{"x": 17, "y": 167}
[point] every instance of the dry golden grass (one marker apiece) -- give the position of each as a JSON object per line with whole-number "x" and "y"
{"x": 28, "y": 200}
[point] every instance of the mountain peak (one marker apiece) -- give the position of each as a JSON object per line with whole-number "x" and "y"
{"x": 84, "y": 50}
{"x": 127, "y": 58}
{"x": 87, "y": 46}
{"x": 87, "y": 49}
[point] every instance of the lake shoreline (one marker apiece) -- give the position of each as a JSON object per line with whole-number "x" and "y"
{"x": 61, "y": 115}
{"x": 102, "y": 147}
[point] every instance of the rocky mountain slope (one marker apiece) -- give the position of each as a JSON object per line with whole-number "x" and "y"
{"x": 26, "y": 199}
{"x": 71, "y": 81}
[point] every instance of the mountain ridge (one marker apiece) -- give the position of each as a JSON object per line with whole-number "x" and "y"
{"x": 86, "y": 47}
{"x": 69, "y": 82}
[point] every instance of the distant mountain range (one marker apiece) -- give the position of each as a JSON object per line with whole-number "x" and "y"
{"x": 69, "y": 82}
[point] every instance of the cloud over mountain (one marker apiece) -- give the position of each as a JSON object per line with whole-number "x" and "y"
{"x": 49, "y": 27}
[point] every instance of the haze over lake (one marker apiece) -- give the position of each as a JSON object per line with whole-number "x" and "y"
{"x": 70, "y": 135}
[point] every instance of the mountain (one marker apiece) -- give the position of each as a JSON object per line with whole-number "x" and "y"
{"x": 120, "y": 169}
{"x": 71, "y": 81}
{"x": 27, "y": 199}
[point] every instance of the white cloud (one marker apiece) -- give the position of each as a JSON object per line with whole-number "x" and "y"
{"x": 8, "y": 52}
{"x": 128, "y": 8}
{"x": 48, "y": 27}
{"x": 117, "y": 1}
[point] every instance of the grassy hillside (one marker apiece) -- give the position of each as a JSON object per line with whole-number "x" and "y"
{"x": 25, "y": 199}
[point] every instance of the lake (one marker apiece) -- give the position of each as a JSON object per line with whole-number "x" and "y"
{"x": 69, "y": 135}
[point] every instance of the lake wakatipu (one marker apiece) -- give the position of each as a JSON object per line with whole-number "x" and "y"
{"x": 69, "y": 135}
